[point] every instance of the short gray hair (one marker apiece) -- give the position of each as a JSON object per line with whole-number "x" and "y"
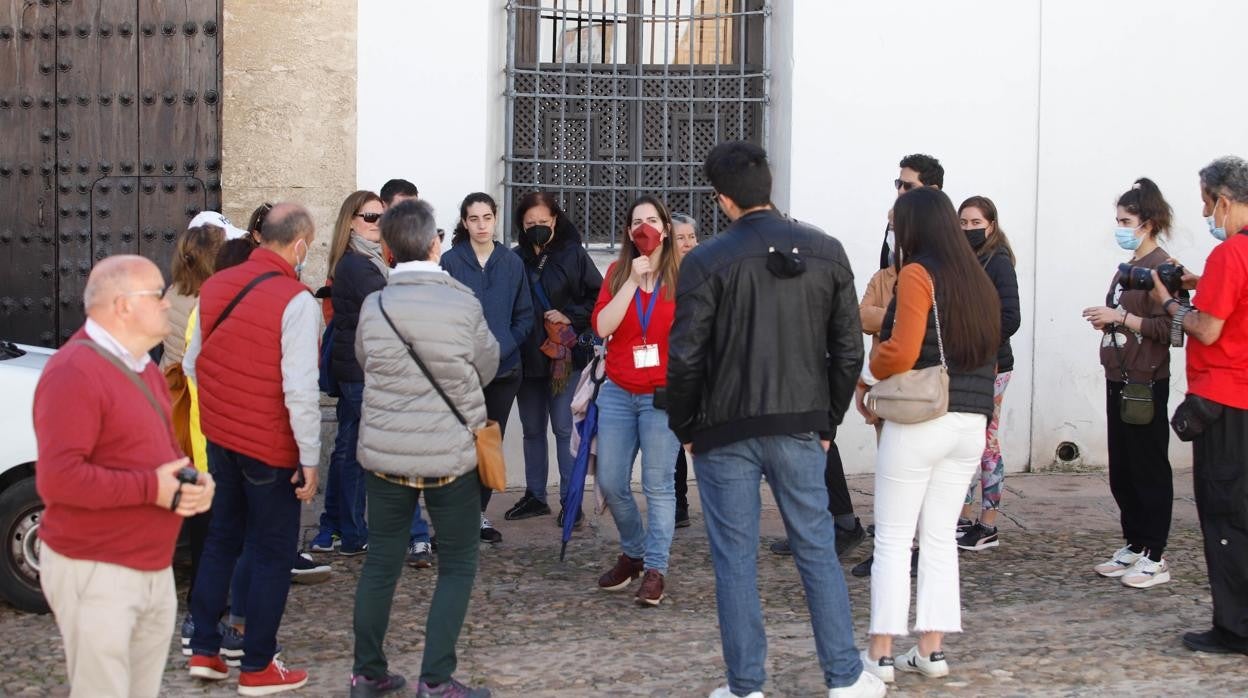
{"x": 685, "y": 219}
{"x": 1226, "y": 176}
{"x": 111, "y": 277}
{"x": 409, "y": 230}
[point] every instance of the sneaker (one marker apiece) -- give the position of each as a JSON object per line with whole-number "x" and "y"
{"x": 489, "y": 534}
{"x": 933, "y": 667}
{"x": 651, "y": 591}
{"x": 420, "y": 555}
{"x": 528, "y": 507}
{"x": 232, "y": 645}
{"x": 352, "y": 550}
{"x": 1118, "y": 565}
{"x": 863, "y": 569}
{"x": 682, "y": 517}
{"x": 881, "y": 668}
{"x": 209, "y": 668}
{"x": 781, "y": 547}
{"x": 450, "y": 689}
{"x": 1145, "y": 573}
{"x": 725, "y": 692}
{"x": 963, "y": 526}
{"x": 978, "y": 537}
{"x": 626, "y": 569}
{"x": 188, "y": 629}
{"x": 306, "y": 571}
{"x": 325, "y": 542}
{"x": 274, "y": 678}
{"x": 848, "y": 540}
{"x": 580, "y": 519}
{"x": 868, "y": 685}
{"x": 364, "y": 687}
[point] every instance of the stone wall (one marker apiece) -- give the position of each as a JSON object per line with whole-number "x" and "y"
{"x": 289, "y": 119}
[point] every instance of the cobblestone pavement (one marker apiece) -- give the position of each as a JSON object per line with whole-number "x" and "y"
{"x": 1038, "y": 621}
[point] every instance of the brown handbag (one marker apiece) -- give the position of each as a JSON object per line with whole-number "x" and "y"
{"x": 491, "y": 468}
{"x": 916, "y": 395}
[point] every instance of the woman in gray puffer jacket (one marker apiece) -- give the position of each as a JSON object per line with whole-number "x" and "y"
{"x": 410, "y": 441}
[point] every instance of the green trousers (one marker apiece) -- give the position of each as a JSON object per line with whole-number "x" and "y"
{"x": 455, "y": 510}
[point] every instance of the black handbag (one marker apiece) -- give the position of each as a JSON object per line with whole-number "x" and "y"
{"x": 1193, "y": 416}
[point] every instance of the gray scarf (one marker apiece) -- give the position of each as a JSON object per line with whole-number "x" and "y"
{"x": 372, "y": 250}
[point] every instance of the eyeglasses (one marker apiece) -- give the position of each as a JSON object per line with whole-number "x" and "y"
{"x": 155, "y": 293}
{"x": 369, "y": 217}
{"x": 904, "y": 185}
{"x": 441, "y": 234}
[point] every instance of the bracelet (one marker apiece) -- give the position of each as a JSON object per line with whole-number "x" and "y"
{"x": 1176, "y": 325}
{"x": 1166, "y": 306}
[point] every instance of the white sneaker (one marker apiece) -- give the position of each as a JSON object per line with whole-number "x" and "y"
{"x": 868, "y": 685}
{"x": 1145, "y": 573}
{"x": 725, "y": 692}
{"x": 933, "y": 667}
{"x": 881, "y": 668}
{"x": 1118, "y": 565}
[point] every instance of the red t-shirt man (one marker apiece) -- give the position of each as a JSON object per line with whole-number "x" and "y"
{"x": 1218, "y": 371}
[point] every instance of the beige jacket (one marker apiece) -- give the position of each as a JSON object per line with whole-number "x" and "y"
{"x": 405, "y": 427}
{"x": 875, "y": 302}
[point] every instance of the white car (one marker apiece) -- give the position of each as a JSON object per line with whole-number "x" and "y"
{"x": 20, "y": 506}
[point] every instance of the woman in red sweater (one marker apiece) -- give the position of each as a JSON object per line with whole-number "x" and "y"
{"x": 634, "y": 312}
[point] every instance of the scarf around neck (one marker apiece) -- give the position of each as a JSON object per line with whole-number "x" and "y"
{"x": 369, "y": 249}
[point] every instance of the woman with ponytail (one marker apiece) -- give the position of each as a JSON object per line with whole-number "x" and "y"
{"x": 1135, "y": 351}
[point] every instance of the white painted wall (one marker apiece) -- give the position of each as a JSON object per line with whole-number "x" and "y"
{"x": 876, "y": 81}
{"x": 1049, "y": 107}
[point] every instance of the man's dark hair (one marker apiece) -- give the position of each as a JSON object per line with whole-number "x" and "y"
{"x": 739, "y": 171}
{"x": 287, "y": 223}
{"x": 931, "y": 174}
{"x": 396, "y": 187}
{"x": 409, "y": 230}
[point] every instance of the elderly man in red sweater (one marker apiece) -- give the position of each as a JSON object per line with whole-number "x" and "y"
{"x": 108, "y": 472}
{"x": 254, "y": 357}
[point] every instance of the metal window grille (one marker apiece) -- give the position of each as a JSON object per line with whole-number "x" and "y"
{"x": 610, "y": 99}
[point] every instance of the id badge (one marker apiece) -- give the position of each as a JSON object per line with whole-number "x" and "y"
{"x": 646, "y": 356}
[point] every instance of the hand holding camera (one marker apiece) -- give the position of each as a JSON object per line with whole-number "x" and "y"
{"x": 183, "y": 489}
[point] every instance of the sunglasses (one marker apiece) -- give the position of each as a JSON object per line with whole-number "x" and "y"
{"x": 369, "y": 217}
{"x": 155, "y": 293}
{"x": 904, "y": 185}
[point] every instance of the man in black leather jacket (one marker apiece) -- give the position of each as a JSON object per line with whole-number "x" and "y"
{"x": 763, "y": 357}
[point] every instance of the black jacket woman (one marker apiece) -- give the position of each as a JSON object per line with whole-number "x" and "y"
{"x": 564, "y": 285}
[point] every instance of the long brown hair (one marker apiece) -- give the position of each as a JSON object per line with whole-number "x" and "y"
{"x": 194, "y": 257}
{"x": 342, "y": 228}
{"x": 996, "y": 241}
{"x": 928, "y": 231}
{"x": 669, "y": 265}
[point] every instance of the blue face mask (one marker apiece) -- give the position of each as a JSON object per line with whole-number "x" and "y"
{"x": 1126, "y": 238}
{"x": 1214, "y": 230}
{"x": 303, "y": 262}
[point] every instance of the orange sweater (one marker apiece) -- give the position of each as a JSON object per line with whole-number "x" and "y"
{"x": 914, "y": 302}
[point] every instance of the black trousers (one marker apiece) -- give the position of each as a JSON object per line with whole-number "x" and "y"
{"x": 500, "y": 394}
{"x": 1139, "y": 469}
{"x": 833, "y": 476}
{"x": 1220, "y": 476}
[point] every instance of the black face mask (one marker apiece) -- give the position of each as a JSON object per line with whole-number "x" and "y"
{"x": 976, "y": 237}
{"x": 540, "y": 234}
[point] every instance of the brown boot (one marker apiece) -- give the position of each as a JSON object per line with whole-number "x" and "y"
{"x": 651, "y": 591}
{"x": 625, "y": 571}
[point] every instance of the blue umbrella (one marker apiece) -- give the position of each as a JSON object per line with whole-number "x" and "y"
{"x": 587, "y": 428}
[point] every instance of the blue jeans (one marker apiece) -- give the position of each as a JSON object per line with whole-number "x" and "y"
{"x": 419, "y": 532}
{"x": 626, "y": 422}
{"x": 254, "y": 510}
{"x": 538, "y": 407}
{"x": 344, "y": 487}
{"x": 728, "y": 483}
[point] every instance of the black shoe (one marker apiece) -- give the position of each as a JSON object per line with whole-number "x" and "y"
{"x": 848, "y": 540}
{"x": 781, "y": 547}
{"x": 580, "y": 518}
{"x": 528, "y": 507}
{"x": 863, "y": 569}
{"x": 489, "y": 534}
{"x": 307, "y": 571}
{"x": 362, "y": 687}
{"x": 1214, "y": 641}
{"x": 978, "y": 537}
{"x": 682, "y": 518}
